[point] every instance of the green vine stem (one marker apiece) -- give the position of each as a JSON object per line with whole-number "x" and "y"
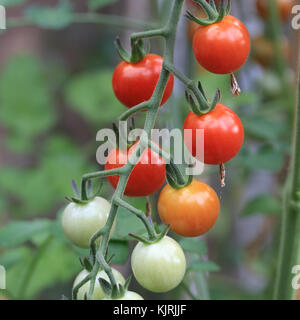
{"x": 168, "y": 33}
{"x": 289, "y": 254}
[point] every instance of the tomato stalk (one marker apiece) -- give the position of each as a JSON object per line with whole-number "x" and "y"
{"x": 289, "y": 254}
{"x": 168, "y": 32}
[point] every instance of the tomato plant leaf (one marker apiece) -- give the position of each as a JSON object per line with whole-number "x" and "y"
{"x": 120, "y": 251}
{"x": 194, "y": 246}
{"x": 16, "y": 233}
{"x": 32, "y": 104}
{"x": 203, "y": 266}
{"x": 96, "y": 102}
{"x": 265, "y": 157}
{"x": 263, "y": 204}
{"x": 13, "y": 256}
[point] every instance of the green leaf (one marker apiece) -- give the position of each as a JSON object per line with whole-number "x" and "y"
{"x": 128, "y": 222}
{"x": 194, "y": 246}
{"x": 51, "y": 17}
{"x": 11, "y": 3}
{"x": 266, "y": 158}
{"x": 263, "y": 204}
{"x": 13, "y": 256}
{"x": 48, "y": 183}
{"x": 263, "y": 128}
{"x": 30, "y": 112}
{"x": 120, "y": 250}
{"x": 96, "y": 4}
{"x": 92, "y": 96}
{"x": 16, "y": 233}
{"x": 57, "y": 265}
{"x": 203, "y": 266}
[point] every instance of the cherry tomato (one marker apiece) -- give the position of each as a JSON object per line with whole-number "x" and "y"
{"x": 222, "y": 47}
{"x": 129, "y": 295}
{"x": 284, "y": 7}
{"x": 147, "y": 177}
{"x": 80, "y": 222}
{"x": 134, "y": 83}
{"x": 223, "y": 134}
{"x": 158, "y": 267}
{"x": 98, "y": 292}
{"x": 191, "y": 211}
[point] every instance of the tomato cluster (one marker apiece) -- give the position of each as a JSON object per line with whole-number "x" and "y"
{"x": 190, "y": 209}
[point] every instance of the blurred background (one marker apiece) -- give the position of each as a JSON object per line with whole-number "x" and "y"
{"x": 56, "y": 66}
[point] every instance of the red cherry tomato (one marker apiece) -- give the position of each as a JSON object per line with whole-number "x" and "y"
{"x": 222, "y": 47}
{"x": 134, "y": 83}
{"x": 190, "y": 211}
{"x": 223, "y": 134}
{"x": 147, "y": 177}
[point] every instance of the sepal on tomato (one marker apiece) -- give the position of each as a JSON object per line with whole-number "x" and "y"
{"x": 175, "y": 178}
{"x": 86, "y": 264}
{"x": 114, "y": 292}
{"x": 106, "y": 287}
{"x": 198, "y": 101}
{"x": 139, "y": 50}
{"x": 214, "y": 15}
{"x": 78, "y": 199}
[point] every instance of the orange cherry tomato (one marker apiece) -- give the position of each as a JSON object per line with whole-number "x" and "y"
{"x": 190, "y": 211}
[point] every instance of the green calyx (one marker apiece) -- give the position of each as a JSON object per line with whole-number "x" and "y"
{"x": 138, "y": 50}
{"x": 89, "y": 194}
{"x": 198, "y": 101}
{"x": 213, "y": 13}
{"x": 116, "y": 291}
{"x": 175, "y": 178}
{"x": 156, "y": 239}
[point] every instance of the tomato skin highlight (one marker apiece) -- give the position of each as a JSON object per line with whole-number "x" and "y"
{"x": 145, "y": 178}
{"x": 98, "y": 292}
{"x": 81, "y": 221}
{"x": 134, "y": 83}
{"x": 191, "y": 211}
{"x": 223, "y": 134}
{"x": 159, "y": 267}
{"x": 222, "y": 47}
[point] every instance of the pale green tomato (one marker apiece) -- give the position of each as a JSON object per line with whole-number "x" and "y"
{"x": 129, "y": 295}
{"x": 98, "y": 293}
{"x": 81, "y": 222}
{"x": 158, "y": 267}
